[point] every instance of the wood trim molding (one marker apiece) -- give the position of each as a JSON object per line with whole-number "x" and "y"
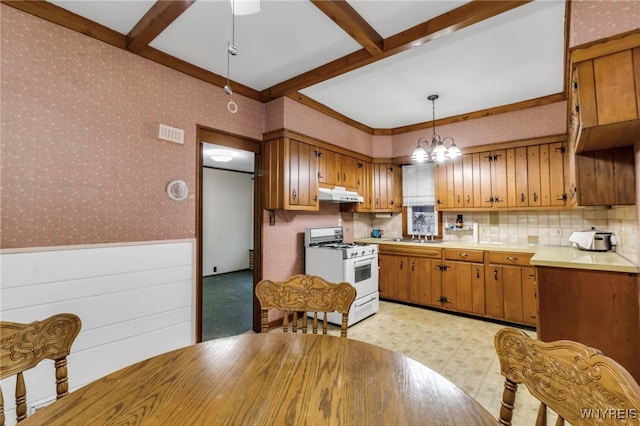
{"x": 313, "y": 104}
{"x": 605, "y": 46}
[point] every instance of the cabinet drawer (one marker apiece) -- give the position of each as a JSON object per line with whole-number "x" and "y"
{"x": 509, "y": 258}
{"x": 464, "y": 255}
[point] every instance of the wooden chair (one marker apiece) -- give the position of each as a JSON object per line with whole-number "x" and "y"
{"x": 23, "y": 346}
{"x": 577, "y": 382}
{"x": 301, "y": 294}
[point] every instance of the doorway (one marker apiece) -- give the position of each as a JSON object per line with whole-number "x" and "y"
{"x": 228, "y": 210}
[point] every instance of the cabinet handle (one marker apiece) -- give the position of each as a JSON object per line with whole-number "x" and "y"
{"x": 511, "y": 258}
{"x": 377, "y": 203}
{"x": 344, "y": 177}
{"x": 294, "y": 194}
{"x": 490, "y": 200}
{"x": 413, "y": 266}
{"x": 495, "y": 274}
{"x": 522, "y": 197}
{"x": 320, "y": 175}
{"x": 402, "y": 264}
{"x": 477, "y": 272}
{"x": 463, "y": 254}
{"x": 315, "y": 198}
{"x": 468, "y": 198}
{"x": 535, "y": 196}
{"x": 458, "y": 199}
{"x": 497, "y": 200}
{"x": 391, "y": 202}
{"x": 338, "y": 177}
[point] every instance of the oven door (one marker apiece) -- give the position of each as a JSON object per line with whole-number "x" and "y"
{"x": 362, "y": 272}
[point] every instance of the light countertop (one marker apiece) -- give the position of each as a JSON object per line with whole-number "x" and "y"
{"x": 554, "y": 256}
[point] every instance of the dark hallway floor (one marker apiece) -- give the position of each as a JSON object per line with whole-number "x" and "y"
{"x": 227, "y": 304}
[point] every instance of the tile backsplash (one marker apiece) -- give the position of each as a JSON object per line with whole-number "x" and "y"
{"x": 523, "y": 227}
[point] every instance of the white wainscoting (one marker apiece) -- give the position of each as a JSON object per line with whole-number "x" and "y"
{"x": 135, "y": 301}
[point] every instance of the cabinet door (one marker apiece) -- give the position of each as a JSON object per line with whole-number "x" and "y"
{"x": 556, "y": 172}
{"x": 429, "y": 282}
{"x": 380, "y": 186}
{"x": 349, "y": 167}
{"x": 467, "y": 180}
{"x": 512, "y": 290}
{"x": 493, "y": 291}
{"x": 522, "y": 177}
{"x": 404, "y": 277}
{"x": 545, "y": 176}
{"x": 486, "y": 198}
{"x": 327, "y": 167}
{"x": 451, "y": 184}
{"x": 396, "y": 205}
{"x": 458, "y": 181}
{"x": 512, "y": 195}
{"x": 365, "y": 187}
{"x": 533, "y": 175}
{"x": 449, "y": 285}
{"x": 499, "y": 178}
{"x": 477, "y": 288}
{"x": 384, "y": 274}
{"x": 303, "y": 174}
{"x": 615, "y": 88}
{"x": 529, "y": 296}
{"x": 441, "y": 186}
{"x": 464, "y": 292}
{"x": 475, "y": 164}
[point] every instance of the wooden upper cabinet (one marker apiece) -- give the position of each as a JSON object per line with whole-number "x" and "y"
{"x": 493, "y": 178}
{"x": 605, "y": 94}
{"x": 606, "y": 177}
{"x": 327, "y": 167}
{"x": 387, "y": 187}
{"x": 441, "y": 186}
{"x": 290, "y": 175}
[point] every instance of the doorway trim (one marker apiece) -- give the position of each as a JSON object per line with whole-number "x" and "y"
{"x": 208, "y": 135}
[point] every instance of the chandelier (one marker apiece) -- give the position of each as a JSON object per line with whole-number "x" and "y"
{"x": 436, "y": 150}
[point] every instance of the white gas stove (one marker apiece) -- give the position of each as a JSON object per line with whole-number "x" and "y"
{"x": 328, "y": 256}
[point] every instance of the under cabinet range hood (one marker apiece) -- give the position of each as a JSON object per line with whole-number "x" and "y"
{"x": 339, "y": 194}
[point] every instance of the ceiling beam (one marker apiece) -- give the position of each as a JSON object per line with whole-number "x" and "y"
{"x": 352, "y": 23}
{"x": 52, "y": 13}
{"x": 157, "y": 18}
{"x": 461, "y": 17}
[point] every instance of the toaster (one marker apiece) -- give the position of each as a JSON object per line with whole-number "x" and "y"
{"x": 593, "y": 240}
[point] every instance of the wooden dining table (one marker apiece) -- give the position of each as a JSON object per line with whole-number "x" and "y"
{"x": 270, "y": 379}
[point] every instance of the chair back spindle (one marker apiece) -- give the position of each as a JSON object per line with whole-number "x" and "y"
{"x": 301, "y": 295}
{"x": 580, "y": 384}
{"x": 23, "y": 346}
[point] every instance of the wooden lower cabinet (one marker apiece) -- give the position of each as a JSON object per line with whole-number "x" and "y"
{"x": 510, "y": 289}
{"x": 409, "y": 274}
{"x": 496, "y": 285}
{"x": 597, "y": 308}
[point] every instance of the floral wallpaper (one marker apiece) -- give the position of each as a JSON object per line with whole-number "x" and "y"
{"x": 592, "y": 20}
{"x": 80, "y": 160}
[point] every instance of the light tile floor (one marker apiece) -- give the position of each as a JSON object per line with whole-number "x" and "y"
{"x": 459, "y": 348}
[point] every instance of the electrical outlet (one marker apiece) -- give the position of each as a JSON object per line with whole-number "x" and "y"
{"x": 559, "y": 232}
{"x": 215, "y": 269}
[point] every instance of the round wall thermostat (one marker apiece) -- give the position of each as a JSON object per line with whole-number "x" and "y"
{"x": 177, "y": 190}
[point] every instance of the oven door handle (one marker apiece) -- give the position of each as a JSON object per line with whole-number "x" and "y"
{"x": 362, "y": 261}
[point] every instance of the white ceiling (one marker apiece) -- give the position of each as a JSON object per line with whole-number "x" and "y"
{"x": 512, "y": 57}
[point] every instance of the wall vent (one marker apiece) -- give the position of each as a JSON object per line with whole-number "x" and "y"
{"x": 171, "y": 134}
